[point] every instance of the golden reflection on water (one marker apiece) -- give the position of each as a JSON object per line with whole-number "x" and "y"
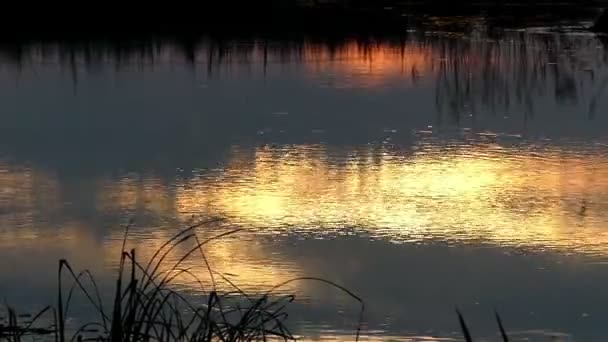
{"x": 240, "y": 259}
{"x": 538, "y": 198}
{"x": 369, "y": 65}
{"x": 546, "y": 199}
{"x": 25, "y": 194}
{"x": 129, "y": 193}
{"x": 35, "y": 231}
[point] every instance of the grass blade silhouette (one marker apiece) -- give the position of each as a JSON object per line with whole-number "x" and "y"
{"x": 503, "y": 333}
{"x": 463, "y": 326}
{"x": 158, "y": 312}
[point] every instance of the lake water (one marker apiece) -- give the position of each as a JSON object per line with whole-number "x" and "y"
{"x": 424, "y": 173}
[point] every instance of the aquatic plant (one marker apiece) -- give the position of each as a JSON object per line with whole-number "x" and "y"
{"x": 467, "y": 334}
{"x": 145, "y": 307}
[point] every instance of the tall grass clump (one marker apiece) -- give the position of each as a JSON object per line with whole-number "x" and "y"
{"x": 145, "y": 307}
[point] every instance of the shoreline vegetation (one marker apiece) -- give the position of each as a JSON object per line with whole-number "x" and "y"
{"x": 322, "y": 17}
{"x": 146, "y": 307}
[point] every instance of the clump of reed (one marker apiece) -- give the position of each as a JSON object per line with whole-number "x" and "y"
{"x": 145, "y": 306}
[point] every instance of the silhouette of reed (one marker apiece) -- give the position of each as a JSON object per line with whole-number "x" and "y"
{"x": 496, "y": 76}
{"x": 145, "y": 306}
{"x": 476, "y": 72}
{"x": 467, "y": 333}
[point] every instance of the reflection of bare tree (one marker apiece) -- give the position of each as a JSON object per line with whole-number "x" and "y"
{"x": 489, "y": 75}
{"x": 473, "y": 74}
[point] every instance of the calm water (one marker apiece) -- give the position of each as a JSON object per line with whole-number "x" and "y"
{"x": 424, "y": 173}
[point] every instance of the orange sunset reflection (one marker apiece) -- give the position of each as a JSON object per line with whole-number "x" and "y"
{"x": 30, "y": 199}
{"x": 238, "y": 259}
{"x": 369, "y": 65}
{"x": 543, "y": 200}
{"x": 540, "y": 199}
{"x": 25, "y": 193}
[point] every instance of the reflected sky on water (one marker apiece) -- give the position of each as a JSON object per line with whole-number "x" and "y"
{"x": 424, "y": 173}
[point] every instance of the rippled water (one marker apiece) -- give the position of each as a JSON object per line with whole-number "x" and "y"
{"x": 424, "y": 173}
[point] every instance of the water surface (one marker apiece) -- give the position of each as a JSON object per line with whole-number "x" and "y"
{"x": 424, "y": 173}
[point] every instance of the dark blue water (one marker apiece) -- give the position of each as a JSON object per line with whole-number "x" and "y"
{"x": 424, "y": 174}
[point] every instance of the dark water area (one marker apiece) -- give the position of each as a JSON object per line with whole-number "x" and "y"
{"x": 428, "y": 170}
